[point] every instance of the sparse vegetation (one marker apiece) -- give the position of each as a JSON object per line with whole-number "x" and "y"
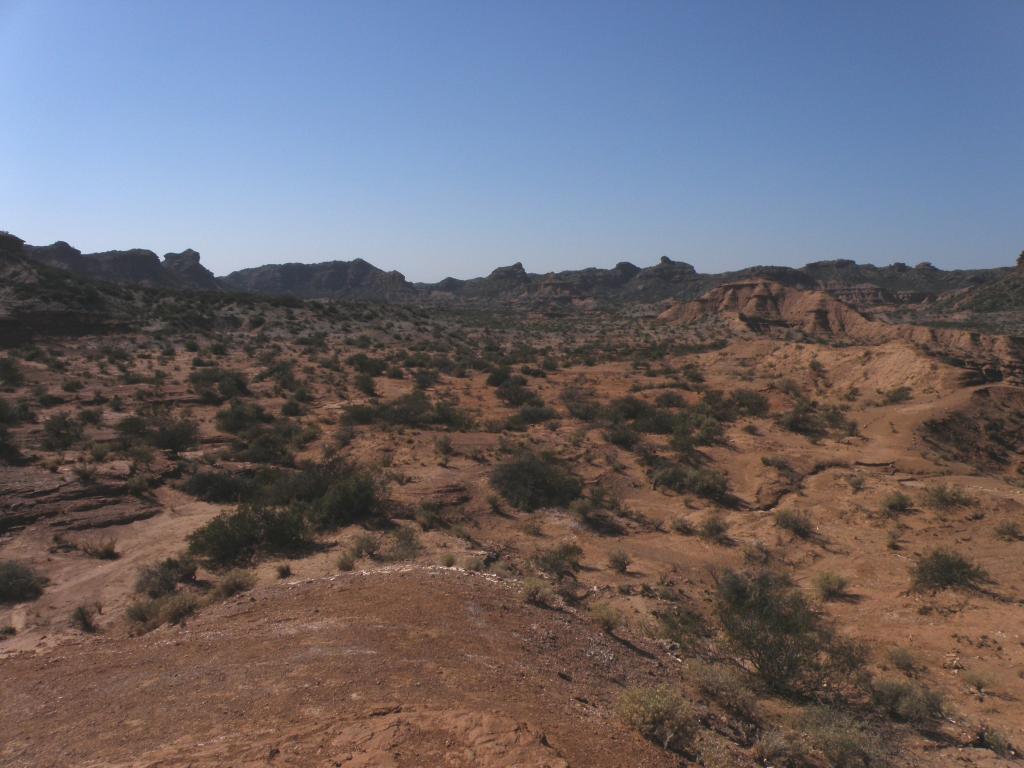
{"x": 831, "y": 586}
{"x": 797, "y": 523}
{"x": 946, "y": 569}
{"x": 19, "y": 583}
{"x": 530, "y": 481}
{"x": 788, "y": 643}
{"x": 661, "y": 714}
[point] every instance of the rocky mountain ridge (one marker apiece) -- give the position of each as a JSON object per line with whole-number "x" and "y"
{"x": 865, "y": 286}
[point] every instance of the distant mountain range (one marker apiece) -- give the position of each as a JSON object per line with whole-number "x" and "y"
{"x": 862, "y": 285}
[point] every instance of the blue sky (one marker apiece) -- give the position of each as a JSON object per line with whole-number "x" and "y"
{"x": 448, "y": 138}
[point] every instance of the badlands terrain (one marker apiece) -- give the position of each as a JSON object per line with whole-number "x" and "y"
{"x": 604, "y": 518}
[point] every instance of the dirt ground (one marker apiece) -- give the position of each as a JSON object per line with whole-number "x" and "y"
{"x": 437, "y": 658}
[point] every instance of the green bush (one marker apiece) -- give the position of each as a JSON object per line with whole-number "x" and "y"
{"x": 831, "y": 586}
{"x": 708, "y": 483}
{"x": 771, "y": 623}
{"x": 945, "y": 569}
{"x": 351, "y": 497}
{"x": 619, "y": 561}
{"x": 797, "y": 523}
{"x": 607, "y": 616}
{"x": 218, "y": 486}
{"x": 946, "y": 497}
{"x": 10, "y": 372}
{"x": 906, "y": 701}
{"x": 233, "y": 582}
{"x": 715, "y": 528}
{"x": 240, "y": 416}
{"x": 727, "y": 685}
{"x": 60, "y": 432}
{"x": 560, "y": 560}
{"x": 174, "y": 608}
{"x": 84, "y": 618}
{"x": 215, "y": 385}
{"x": 530, "y": 481}
{"x": 19, "y": 583}
{"x": 896, "y": 504}
{"x": 844, "y": 740}
{"x": 661, "y": 714}
{"x": 163, "y": 578}
{"x": 254, "y": 529}
{"x": 537, "y": 592}
{"x": 404, "y": 545}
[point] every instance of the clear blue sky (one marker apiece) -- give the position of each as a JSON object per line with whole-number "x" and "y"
{"x": 443, "y": 138}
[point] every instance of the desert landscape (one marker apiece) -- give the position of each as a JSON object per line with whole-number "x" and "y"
{"x": 319, "y": 515}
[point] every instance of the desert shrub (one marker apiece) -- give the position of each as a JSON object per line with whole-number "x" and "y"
{"x": 9, "y": 452}
{"x": 844, "y": 740}
{"x": 747, "y": 402}
{"x": 690, "y": 429}
{"x": 367, "y": 365}
{"x": 896, "y": 504}
{"x": 771, "y": 623}
{"x": 10, "y": 372}
{"x": 988, "y": 737}
{"x": 217, "y": 486}
{"x": 619, "y": 561}
{"x": 681, "y": 625}
{"x": 215, "y": 385}
{"x": 708, "y": 483}
{"x": 530, "y": 481}
{"x": 594, "y": 514}
{"x": 346, "y": 561}
{"x": 945, "y": 569}
{"x": 163, "y": 578}
{"x": 804, "y": 420}
{"x": 904, "y": 660}
{"x": 414, "y": 409}
{"x": 19, "y": 583}
{"x": 159, "y": 428}
{"x": 84, "y": 618}
{"x": 240, "y": 416}
{"x": 267, "y": 444}
{"x": 60, "y": 432}
{"x": 783, "y": 749}
{"x": 515, "y": 392}
{"x": 897, "y": 395}
{"x": 661, "y": 715}
{"x": 906, "y": 701}
{"x": 15, "y": 413}
{"x": 581, "y": 403}
{"x": 1009, "y": 530}
{"x": 233, "y": 582}
{"x": 537, "y": 592}
{"x": 404, "y": 545}
{"x": 252, "y": 530}
{"x": 714, "y": 528}
{"x": 101, "y": 549}
{"x": 797, "y": 523}
{"x": 946, "y": 497}
{"x": 831, "y": 586}
{"x": 607, "y": 616}
{"x": 560, "y": 560}
{"x": 365, "y": 545}
{"x": 622, "y": 435}
{"x": 729, "y": 686}
{"x": 531, "y": 414}
{"x": 174, "y": 608}
{"x": 352, "y": 496}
